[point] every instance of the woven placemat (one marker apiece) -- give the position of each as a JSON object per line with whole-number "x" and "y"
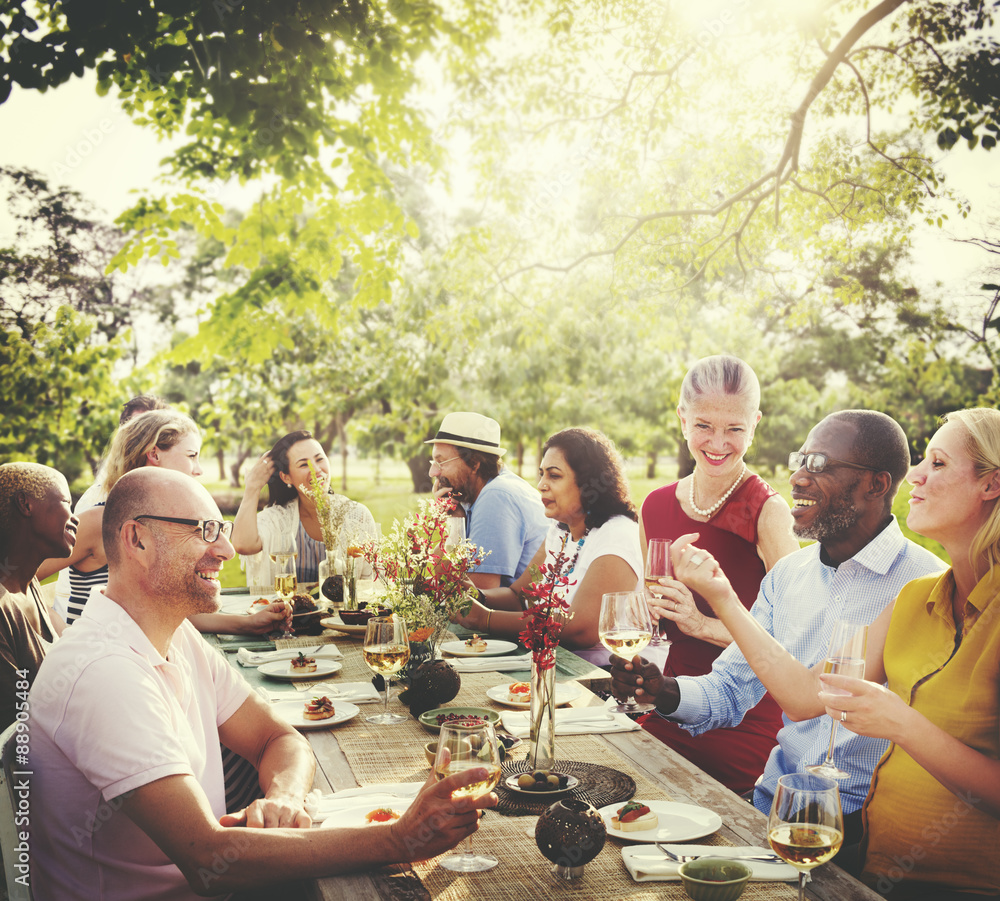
{"x": 599, "y": 785}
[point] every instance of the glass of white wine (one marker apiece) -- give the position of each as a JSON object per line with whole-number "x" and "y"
{"x": 462, "y": 746}
{"x": 846, "y": 657}
{"x": 286, "y": 583}
{"x": 386, "y": 651}
{"x": 806, "y": 825}
{"x": 625, "y": 628}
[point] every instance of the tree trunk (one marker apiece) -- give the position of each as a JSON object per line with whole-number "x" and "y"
{"x": 235, "y": 468}
{"x": 520, "y": 458}
{"x": 419, "y": 474}
{"x": 342, "y": 438}
{"x": 685, "y": 462}
{"x": 651, "y": 465}
{"x": 221, "y": 457}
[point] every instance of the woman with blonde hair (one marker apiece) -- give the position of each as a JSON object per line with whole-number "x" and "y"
{"x": 164, "y": 438}
{"x": 932, "y": 679}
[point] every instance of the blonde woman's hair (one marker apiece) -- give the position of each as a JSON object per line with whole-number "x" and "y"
{"x": 137, "y": 437}
{"x": 982, "y": 443}
{"x": 720, "y": 374}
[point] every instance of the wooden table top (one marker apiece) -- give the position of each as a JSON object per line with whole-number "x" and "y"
{"x": 656, "y": 768}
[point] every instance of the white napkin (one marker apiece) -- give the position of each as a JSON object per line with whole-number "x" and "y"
{"x": 256, "y": 658}
{"x": 572, "y": 721}
{"x": 355, "y": 692}
{"x": 647, "y": 863}
{"x": 491, "y": 664}
{"x": 320, "y": 806}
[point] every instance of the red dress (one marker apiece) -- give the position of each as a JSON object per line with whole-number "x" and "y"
{"x": 734, "y": 756}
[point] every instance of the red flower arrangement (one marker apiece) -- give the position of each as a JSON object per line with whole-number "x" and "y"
{"x": 549, "y": 610}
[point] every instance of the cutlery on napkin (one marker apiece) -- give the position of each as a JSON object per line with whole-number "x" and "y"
{"x": 646, "y": 863}
{"x": 572, "y": 721}
{"x": 355, "y": 692}
{"x": 521, "y": 662}
{"x": 256, "y": 658}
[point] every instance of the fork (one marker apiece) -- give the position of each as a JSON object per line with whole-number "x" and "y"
{"x": 684, "y": 858}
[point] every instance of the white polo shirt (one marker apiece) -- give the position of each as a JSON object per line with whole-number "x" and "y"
{"x": 109, "y": 715}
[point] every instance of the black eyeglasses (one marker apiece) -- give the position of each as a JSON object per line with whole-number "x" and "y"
{"x": 211, "y": 529}
{"x": 817, "y": 462}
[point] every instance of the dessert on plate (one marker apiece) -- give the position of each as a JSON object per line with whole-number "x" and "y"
{"x": 634, "y": 817}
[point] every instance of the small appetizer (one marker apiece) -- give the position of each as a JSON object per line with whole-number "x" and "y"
{"x": 302, "y": 603}
{"x": 382, "y": 815}
{"x": 260, "y": 602}
{"x": 476, "y": 644}
{"x": 634, "y": 817}
{"x": 519, "y": 692}
{"x": 319, "y": 709}
{"x": 303, "y": 664}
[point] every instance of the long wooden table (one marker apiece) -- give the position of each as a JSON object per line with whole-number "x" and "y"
{"x": 357, "y": 753}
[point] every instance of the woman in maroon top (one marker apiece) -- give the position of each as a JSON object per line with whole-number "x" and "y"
{"x": 747, "y": 527}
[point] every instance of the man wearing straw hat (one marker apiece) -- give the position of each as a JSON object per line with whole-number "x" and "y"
{"x": 504, "y": 514}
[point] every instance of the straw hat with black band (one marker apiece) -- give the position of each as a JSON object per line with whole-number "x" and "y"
{"x": 471, "y": 430}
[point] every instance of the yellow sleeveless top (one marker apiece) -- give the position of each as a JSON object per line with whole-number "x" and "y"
{"x": 916, "y": 829}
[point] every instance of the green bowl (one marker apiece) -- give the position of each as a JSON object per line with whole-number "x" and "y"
{"x": 714, "y": 879}
{"x": 429, "y": 719}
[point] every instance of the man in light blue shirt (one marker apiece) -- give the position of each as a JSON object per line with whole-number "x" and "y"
{"x": 504, "y": 513}
{"x": 844, "y": 480}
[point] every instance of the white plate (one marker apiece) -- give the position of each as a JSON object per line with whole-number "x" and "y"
{"x": 493, "y": 647}
{"x": 294, "y": 712}
{"x": 335, "y": 622}
{"x": 565, "y": 692}
{"x": 676, "y": 822}
{"x": 282, "y": 669}
{"x": 355, "y": 816}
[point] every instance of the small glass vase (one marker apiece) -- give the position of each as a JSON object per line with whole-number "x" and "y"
{"x": 542, "y": 747}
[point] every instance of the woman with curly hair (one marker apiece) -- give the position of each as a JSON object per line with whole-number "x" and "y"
{"x": 585, "y": 492}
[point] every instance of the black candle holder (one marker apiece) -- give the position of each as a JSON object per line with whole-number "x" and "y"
{"x": 570, "y": 833}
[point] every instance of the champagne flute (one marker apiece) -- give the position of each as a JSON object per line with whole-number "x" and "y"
{"x": 806, "y": 825}
{"x": 846, "y": 657}
{"x": 657, "y": 567}
{"x": 386, "y": 651}
{"x": 462, "y": 746}
{"x": 286, "y": 582}
{"x": 625, "y": 628}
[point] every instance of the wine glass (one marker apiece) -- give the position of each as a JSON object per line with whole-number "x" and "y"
{"x": 846, "y": 657}
{"x": 286, "y": 582}
{"x": 806, "y": 825}
{"x": 625, "y": 629}
{"x": 462, "y": 746}
{"x": 386, "y": 651}
{"x": 657, "y": 567}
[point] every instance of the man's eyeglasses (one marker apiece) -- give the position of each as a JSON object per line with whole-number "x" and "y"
{"x": 816, "y": 462}
{"x": 440, "y": 463}
{"x": 211, "y": 529}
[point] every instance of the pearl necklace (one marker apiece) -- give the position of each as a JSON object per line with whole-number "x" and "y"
{"x": 720, "y": 501}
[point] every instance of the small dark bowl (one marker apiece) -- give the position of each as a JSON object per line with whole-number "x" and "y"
{"x": 356, "y": 617}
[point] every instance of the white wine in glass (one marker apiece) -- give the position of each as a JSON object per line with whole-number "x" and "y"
{"x": 656, "y": 567}
{"x": 846, "y": 657}
{"x": 625, "y": 628}
{"x": 461, "y": 747}
{"x": 806, "y": 824}
{"x": 386, "y": 651}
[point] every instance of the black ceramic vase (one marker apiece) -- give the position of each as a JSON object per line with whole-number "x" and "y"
{"x": 570, "y": 833}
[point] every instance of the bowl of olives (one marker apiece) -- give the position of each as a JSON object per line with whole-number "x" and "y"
{"x": 548, "y": 783}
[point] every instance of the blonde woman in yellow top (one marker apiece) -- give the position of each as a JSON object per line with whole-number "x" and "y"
{"x": 932, "y": 816}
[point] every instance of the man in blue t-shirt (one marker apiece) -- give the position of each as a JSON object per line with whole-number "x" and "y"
{"x": 504, "y": 513}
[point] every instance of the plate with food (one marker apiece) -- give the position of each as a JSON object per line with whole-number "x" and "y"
{"x": 336, "y": 623}
{"x": 659, "y": 821}
{"x": 518, "y": 694}
{"x": 477, "y": 646}
{"x": 301, "y": 667}
{"x": 541, "y": 784}
{"x": 315, "y": 712}
{"x": 433, "y": 719}
{"x": 367, "y": 815}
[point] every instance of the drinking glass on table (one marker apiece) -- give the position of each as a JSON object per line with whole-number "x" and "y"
{"x": 386, "y": 651}
{"x": 657, "y": 567}
{"x": 846, "y": 657}
{"x": 806, "y": 825}
{"x": 285, "y": 581}
{"x": 625, "y": 628}
{"x": 462, "y": 746}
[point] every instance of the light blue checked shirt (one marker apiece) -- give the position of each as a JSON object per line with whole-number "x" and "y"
{"x": 799, "y": 602}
